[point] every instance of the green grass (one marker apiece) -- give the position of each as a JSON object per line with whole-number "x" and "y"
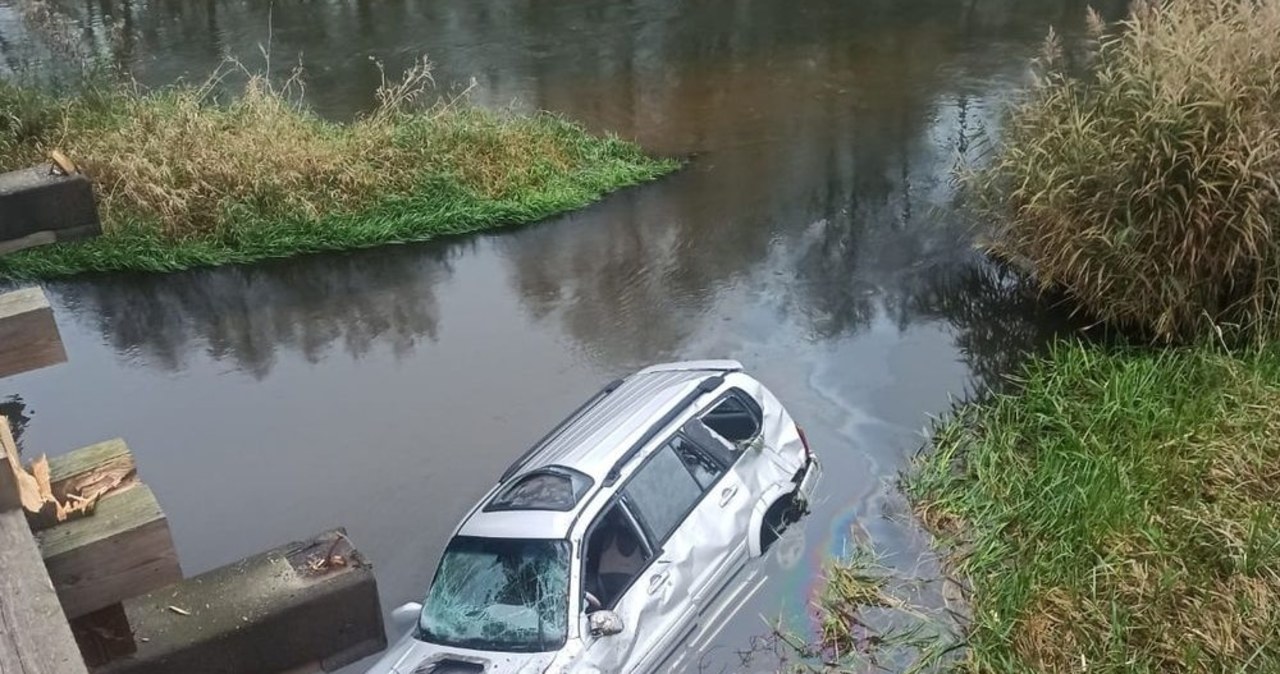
{"x": 1119, "y": 513}
{"x": 186, "y": 179}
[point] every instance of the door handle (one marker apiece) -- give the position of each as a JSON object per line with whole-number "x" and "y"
{"x": 727, "y": 495}
{"x": 656, "y": 581}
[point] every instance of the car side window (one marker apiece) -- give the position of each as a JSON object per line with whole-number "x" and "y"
{"x": 616, "y": 553}
{"x": 736, "y": 418}
{"x": 662, "y": 492}
{"x": 704, "y": 468}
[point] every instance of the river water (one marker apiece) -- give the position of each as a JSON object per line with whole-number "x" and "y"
{"x": 813, "y": 236}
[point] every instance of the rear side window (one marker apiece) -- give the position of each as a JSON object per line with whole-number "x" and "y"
{"x": 552, "y": 488}
{"x": 705, "y": 470}
{"x": 662, "y": 492}
{"x": 736, "y": 418}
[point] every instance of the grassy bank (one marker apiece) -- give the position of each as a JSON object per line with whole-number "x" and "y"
{"x": 186, "y": 177}
{"x": 1118, "y": 509}
{"x": 1121, "y": 513}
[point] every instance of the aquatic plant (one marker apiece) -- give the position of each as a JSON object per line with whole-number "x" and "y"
{"x": 1147, "y": 183}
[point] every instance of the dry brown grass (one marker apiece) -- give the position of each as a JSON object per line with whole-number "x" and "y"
{"x": 1149, "y": 187}
{"x": 180, "y": 159}
{"x": 191, "y": 176}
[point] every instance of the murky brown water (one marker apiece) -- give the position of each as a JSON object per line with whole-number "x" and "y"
{"x": 812, "y": 237}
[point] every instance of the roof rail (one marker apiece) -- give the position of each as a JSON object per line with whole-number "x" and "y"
{"x": 705, "y": 386}
{"x": 695, "y": 366}
{"x": 551, "y": 434}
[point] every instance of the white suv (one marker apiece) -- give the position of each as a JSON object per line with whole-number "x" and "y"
{"x": 621, "y": 537}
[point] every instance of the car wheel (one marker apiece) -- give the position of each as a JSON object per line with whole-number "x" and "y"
{"x": 783, "y": 513}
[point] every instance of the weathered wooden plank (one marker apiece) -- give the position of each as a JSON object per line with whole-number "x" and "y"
{"x": 124, "y": 549}
{"x": 10, "y": 466}
{"x": 278, "y": 611}
{"x": 34, "y": 635}
{"x": 29, "y": 336}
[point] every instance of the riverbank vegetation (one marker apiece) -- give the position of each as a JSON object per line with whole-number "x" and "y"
{"x": 1117, "y": 508}
{"x": 1119, "y": 513}
{"x": 1147, "y": 186}
{"x": 188, "y": 176}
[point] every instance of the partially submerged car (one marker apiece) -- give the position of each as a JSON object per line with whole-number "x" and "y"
{"x": 620, "y": 537}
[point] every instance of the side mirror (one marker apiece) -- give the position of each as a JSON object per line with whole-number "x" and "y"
{"x": 406, "y": 616}
{"x": 603, "y": 623}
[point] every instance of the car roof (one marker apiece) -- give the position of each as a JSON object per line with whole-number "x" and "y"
{"x": 592, "y": 441}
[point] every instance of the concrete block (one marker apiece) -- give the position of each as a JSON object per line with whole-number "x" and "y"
{"x": 307, "y": 604}
{"x": 34, "y": 200}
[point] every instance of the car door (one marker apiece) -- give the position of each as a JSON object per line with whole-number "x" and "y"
{"x": 718, "y": 523}
{"x": 655, "y": 608}
{"x": 727, "y": 511}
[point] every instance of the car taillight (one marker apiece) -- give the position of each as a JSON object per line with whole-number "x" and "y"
{"x": 804, "y": 440}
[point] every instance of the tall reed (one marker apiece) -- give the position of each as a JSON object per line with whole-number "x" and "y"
{"x": 1146, "y": 181}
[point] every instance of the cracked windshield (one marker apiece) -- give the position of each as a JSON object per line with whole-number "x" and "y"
{"x": 499, "y": 595}
{"x": 408, "y": 336}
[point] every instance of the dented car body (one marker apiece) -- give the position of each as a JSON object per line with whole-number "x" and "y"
{"x": 623, "y": 537}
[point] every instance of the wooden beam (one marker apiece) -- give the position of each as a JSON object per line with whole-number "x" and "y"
{"x": 34, "y": 635}
{"x": 122, "y": 550}
{"x": 307, "y": 606}
{"x": 29, "y": 336}
{"x": 10, "y": 470}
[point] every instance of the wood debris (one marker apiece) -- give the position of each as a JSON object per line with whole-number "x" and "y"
{"x": 37, "y": 492}
{"x": 63, "y": 163}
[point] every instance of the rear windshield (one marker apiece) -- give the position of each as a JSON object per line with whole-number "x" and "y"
{"x": 499, "y": 594}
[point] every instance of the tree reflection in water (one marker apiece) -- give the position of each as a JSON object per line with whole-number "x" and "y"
{"x": 246, "y": 315}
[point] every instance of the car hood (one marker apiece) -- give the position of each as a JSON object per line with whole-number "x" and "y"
{"x": 410, "y": 656}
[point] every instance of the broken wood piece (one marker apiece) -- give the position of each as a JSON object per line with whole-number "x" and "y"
{"x": 83, "y": 476}
{"x": 92, "y": 472}
{"x": 125, "y": 549}
{"x": 63, "y": 163}
{"x": 40, "y": 471}
{"x": 29, "y": 336}
{"x": 26, "y": 484}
